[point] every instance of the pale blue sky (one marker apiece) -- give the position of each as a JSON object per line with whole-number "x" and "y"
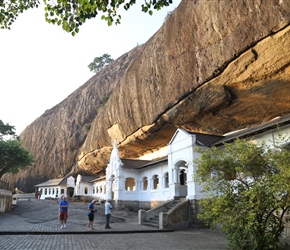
{"x": 41, "y": 64}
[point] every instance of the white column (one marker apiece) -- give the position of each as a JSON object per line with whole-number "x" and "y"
{"x": 175, "y": 175}
{"x": 109, "y": 189}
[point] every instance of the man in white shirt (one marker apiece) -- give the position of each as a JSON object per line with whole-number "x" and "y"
{"x": 108, "y": 208}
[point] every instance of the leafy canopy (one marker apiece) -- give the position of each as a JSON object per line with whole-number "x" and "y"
{"x": 13, "y": 156}
{"x": 6, "y": 129}
{"x": 248, "y": 189}
{"x": 71, "y": 14}
{"x": 100, "y": 62}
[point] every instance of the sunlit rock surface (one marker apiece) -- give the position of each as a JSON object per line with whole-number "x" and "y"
{"x": 213, "y": 67}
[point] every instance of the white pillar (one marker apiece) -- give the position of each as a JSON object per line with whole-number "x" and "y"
{"x": 175, "y": 175}
{"x": 109, "y": 189}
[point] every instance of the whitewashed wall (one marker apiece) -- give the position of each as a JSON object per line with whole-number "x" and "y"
{"x": 181, "y": 155}
{"x": 138, "y": 193}
{"x": 99, "y": 190}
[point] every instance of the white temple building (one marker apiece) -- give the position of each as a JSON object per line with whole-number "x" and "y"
{"x": 140, "y": 181}
{"x": 149, "y": 184}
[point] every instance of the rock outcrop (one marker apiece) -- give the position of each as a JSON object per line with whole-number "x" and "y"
{"x": 213, "y": 67}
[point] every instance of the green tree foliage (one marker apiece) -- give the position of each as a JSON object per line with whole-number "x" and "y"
{"x": 248, "y": 190}
{"x": 100, "y": 62}
{"x": 6, "y": 129}
{"x": 71, "y": 14}
{"x": 13, "y": 156}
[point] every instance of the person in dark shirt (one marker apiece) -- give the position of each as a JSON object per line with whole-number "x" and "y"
{"x": 91, "y": 214}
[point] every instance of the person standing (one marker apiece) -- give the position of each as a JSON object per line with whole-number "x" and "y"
{"x": 39, "y": 194}
{"x": 63, "y": 211}
{"x": 108, "y": 208}
{"x": 58, "y": 201}
{"x": 91, "y": 214}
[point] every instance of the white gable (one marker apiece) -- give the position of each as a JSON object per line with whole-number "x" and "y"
{"x": 181, "y": 140}
{"x": 70, "y": 181}
{"x": 178, "y": 136}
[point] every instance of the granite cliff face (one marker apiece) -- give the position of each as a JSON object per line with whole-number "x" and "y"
{"x": 213, "y": 67}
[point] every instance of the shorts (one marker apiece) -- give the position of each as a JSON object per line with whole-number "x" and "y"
{"x": 63, "y": 215}
{"x": 91, "y": 217}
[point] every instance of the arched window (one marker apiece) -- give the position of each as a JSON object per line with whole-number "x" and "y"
{"x": 101, "y": 189}
{"x": 166, "y": 180}
{"x": 97, "y": 190}
{"x": 93, "y": 190}
{"x": 130, "y": 184}
{"x": 155, "y": 181}
{"x": 45, "y": 191}
{"x": 86, "y": 190}
{"x": 144, "y": 183}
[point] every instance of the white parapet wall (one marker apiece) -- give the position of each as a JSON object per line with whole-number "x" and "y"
{"x": 5, "y": 200}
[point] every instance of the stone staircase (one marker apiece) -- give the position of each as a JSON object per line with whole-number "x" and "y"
{"x": 154, "y": 221}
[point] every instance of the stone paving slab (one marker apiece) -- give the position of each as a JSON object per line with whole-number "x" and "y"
{"x": 161, "y": 241}
{"x": 33, "y": 225}
{"x": 42, "y": 216}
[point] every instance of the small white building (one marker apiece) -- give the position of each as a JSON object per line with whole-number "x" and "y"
{"x": 68, "y": 186}
{"x": 55, "y": 188}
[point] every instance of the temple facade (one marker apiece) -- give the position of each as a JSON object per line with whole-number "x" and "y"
{"x": 148, "y": 183}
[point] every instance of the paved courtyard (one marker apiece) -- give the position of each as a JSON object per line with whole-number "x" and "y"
{"x": 34, "y": 225}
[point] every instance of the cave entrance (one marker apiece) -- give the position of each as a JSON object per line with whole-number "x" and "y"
{"x": 70, "y": 192}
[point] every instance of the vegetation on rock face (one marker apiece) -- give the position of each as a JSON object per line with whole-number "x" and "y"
{"x": 13, "y": 156}
{"x": 105, "y": 99}
{"x": 100, "y": 62}
{"x": 71, "y": 14}
{"x": 248, "y": 192}
{"x": 88, "y": 127}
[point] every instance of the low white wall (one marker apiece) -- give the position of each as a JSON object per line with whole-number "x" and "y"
{"x": 5, "y": 200}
